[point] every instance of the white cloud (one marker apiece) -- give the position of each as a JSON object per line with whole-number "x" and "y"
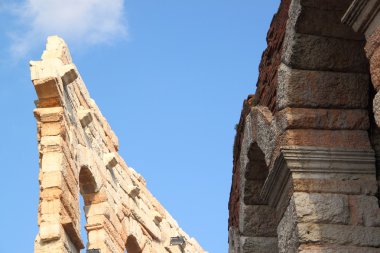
{"x": 79, "y": 22}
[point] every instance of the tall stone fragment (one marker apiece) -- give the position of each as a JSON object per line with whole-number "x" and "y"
{"x": 78, "y": 155}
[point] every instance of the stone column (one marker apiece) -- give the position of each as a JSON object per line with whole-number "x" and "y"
{"x": 332, "y": 207}
{"x": 364, "y": 17}
{"x": 58, "y": 216}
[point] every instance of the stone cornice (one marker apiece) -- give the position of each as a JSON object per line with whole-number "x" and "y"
{"x": 314, "y": 160}
{"x": 361, "y": 14}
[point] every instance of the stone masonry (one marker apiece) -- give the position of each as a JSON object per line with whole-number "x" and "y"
{"x": 78, "y": 154}
{"x": 307, "y": 146}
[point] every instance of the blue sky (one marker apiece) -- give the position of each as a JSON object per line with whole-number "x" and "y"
{"x": 170, "y": 76}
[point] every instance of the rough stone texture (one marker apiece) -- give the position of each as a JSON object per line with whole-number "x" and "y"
{"x": 319, "y": 89}
{"x": 266, "y": 85}
{"x": 339, "y": 234}
{"x": 329, "y": 119}
{"x": 322, "y": 208}
{"x": 287, "y": 230}
{"x": 315, "y": 143}
{"x": 257, "y": 221}
{"x": 312, "y": 52}
{"x": 316, "y": 20}
{"x": 78, "y": 155}
{"x": 259, "y": 244}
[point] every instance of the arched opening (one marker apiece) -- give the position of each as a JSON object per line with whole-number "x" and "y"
{"x": 88, "y": 189}
{"x": 257, "y": 221}
{"x": 132, "y": 245}
{"x": 255, "y": 174}
{"x": 87, "y": 182}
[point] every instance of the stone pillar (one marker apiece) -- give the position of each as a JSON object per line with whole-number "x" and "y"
{"x": 364, "y": 17}
{"x": 58, "y": 215}
{"x": 332, "y": 205}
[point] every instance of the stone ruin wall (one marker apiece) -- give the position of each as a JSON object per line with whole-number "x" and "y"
{"x": 307, "y": 145}
{"x": 79, "y": 155}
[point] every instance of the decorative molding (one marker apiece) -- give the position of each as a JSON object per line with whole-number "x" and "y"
{"x": 314, "y": 160}
{"x": 361, "y": 14}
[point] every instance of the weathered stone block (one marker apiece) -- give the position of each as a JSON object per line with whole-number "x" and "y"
{"x": 310, "y": 52}
{"x": 287, "y": 230}
{"x": 321, "y": 89}
{"x": 339, "y": 234}
{"x": 306, "y": 248}
{"x": 51, "y": 179}
{"x": 85, "y": 117}
{"x": 326, "y": 138}
{"x": 49, "y": 231}
{"x": 68, "y": 73}
{"x": 331, "y": 185}
{"x": 295, "y": 118}
{"x": 52, "y": 161}
{"x": 341, "y": 5}
{"x": 46, "y": 88}
{"x": 365, "y": 211}
{"x": 257, "y": 221}
{"x": 51, "y": 129}
{"x": 321, "y": 208}
{"x": 51, "y": 114}
{"x": 259, "y": 244}
{"x": 320, "y": 20}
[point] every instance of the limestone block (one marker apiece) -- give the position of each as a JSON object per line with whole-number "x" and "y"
{"x": 257, "y": 220}
{"x": 321, "y": 208}
{"x": 287, "y": 230}
{"x": 148, "y": 223}
{"x": 50, "y": 231}
{"x": 157, "y": 218}
{"x": 68, "y": 73}
{"x": 376, "y": 108}
{"x": 259, "y": 244}
{"x": 133, "y": 191}
{"x": 51, "y": 179}
{"x": 97, "y": 209}
{"x": 303, "y": 51}
{"x": 326, "y": 138}
{"x": 295, "y": 118}
{"x": 45, "y": 69}
{"x": 335, "y": 249}
{"x": 50, "y": 206}
{"x": 364, "y": 210}
{"x": 339, "y": 234}
{"x": 331, "y": 185}
{"x": 50, "y": 193}
{"x": 319, "y": 20}
{"x": 46, "y": 87}
{"x": 94, "y": 198}
{"x": 338, "y": 5}
{"x": 51, "y": 129}
{"x": 319, "y": 89}
{"x": 85, "y": 117}
{"x": 51, "y": 114}
{"x": 109, "y": 160}
{"x": 51, "y": 144}
{"x": 52, "y": 161}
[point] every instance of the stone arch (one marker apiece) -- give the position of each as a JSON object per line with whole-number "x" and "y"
{"x": 131, "y": 245}
{"x": 255, "y": 174}
{"x": 87, "y": 182}
{"x": 94, "y": 198}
